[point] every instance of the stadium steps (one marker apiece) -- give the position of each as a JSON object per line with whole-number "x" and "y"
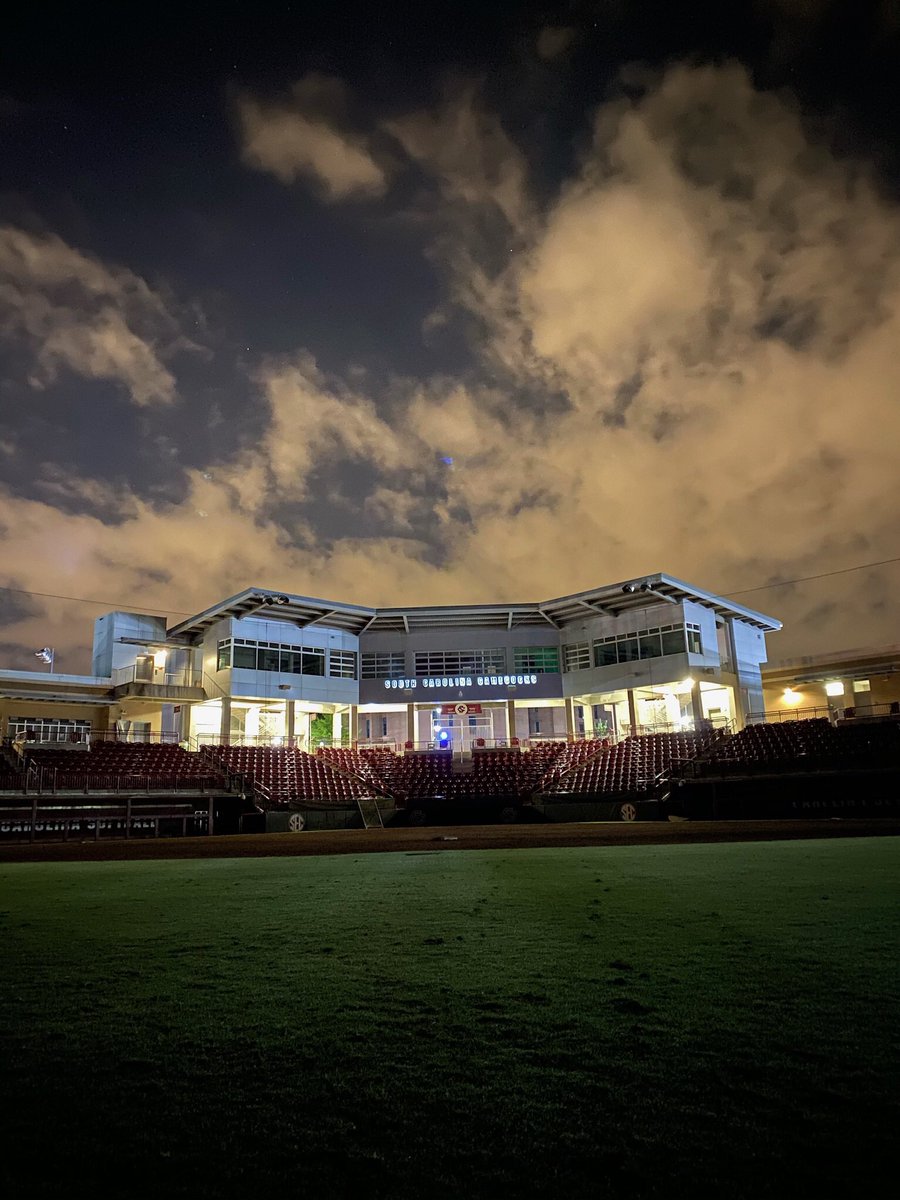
{"x": 462, "y": 766}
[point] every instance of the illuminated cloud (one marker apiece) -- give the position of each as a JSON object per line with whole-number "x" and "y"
{"x": 73, "y": 312}
{"x": 685, "y": 360}
{"x": 299, "y": 137}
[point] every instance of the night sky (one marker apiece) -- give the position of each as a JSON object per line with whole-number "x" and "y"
{"x": 440, "y": 303}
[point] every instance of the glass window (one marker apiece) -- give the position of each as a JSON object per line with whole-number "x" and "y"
{"x": 48, "y": 729}
{"x": 313, "y": 662}
{"x": 541, "y": 660}
{"x": 245, "y": 657}
{"x": 695, "y": 646}
{"x": 673, "y": 641}
{"x": 649, "y": 643}
{"x": 605, "y": 652}
{"x": 268, "y": 658}
{"x": 459, "y": 662}
{"x": 576, "y": 656}
{"x": 627, "y": 648}
{"x": 223, "y": 659}
{"x": 342, "y": 664}
{"x": 862, "y": 685}
{"x": 389, "y": 664}
{"x": 290, "y": 662}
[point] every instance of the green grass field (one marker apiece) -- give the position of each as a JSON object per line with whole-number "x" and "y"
{"x": 608, "y": 1022}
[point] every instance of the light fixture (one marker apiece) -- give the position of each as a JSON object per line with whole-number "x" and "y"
{"x": 789, "y": 696}
{"x": 834, "y": 687}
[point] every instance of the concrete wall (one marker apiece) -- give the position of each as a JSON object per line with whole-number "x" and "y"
{"x": 98, "y": 715}
{"x": 108, "y": 653}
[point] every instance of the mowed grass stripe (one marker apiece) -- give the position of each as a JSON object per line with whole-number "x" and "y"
{"x": 658, "y": 1020}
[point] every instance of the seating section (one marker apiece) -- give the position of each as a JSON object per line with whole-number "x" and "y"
{"x": 281, "y": 777}
{"x": 803, "y": 745}
{"x": 124, "y": 765}
{"x": 290, "y": 775}
{"x": 631, "y": 766}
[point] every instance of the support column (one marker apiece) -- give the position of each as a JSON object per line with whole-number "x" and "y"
{"x": 511, "y": 719}
{"x": 336, "y": 727}
{"x": 696, "y": 705}
{"x": 305, "y": 736}
{"x": 632, "y": 712}
{"x": 740, "y": 707}
{"x": 570, "y": 718}
{"x": 411, "y": 723}
{"x": 354, "y": 724}
{"x": 184, "y": 726}
{"x": 289, "y": 722}
{"x": 225, "y": 721}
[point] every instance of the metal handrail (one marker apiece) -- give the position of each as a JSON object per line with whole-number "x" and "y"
{"x": 779, "y": 715}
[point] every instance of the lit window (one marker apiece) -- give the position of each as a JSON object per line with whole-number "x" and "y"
{"x": 834, "y": 687}
{"x": 539, "y": 659}
{"x": 862, "y": 685}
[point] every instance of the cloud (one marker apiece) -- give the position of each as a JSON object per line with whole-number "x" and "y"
{"x": 72, "y": 312}
{"x": 554, "y": 40}
{"x": 299, "y": 137}
{"x": 687, "y": 361}
{"x": 467, "y": 150}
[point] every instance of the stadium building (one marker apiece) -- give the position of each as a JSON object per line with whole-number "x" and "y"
{"x": 644, "y": 655}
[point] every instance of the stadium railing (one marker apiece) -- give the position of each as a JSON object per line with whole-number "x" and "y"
{"x": 776, "y": 716}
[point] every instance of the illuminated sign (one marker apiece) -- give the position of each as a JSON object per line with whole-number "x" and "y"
{"x": 448, "y": 681}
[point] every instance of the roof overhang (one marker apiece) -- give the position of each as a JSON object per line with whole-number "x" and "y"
{"x": 265, "y": 605}
{"x": 614, "y": 599}
{"x": 611, "y": 600}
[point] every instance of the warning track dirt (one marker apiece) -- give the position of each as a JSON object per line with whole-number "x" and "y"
{"x": 457, "y": 837}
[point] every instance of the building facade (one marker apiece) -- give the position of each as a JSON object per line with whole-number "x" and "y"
{"x": 859, "y": 683}
{"x": 647, "y": 654}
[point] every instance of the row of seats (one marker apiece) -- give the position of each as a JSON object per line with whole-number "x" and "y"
{"x": 808, "y": 744}
{"x": 126, "y": 758}
{"x": 633, "y": 765}
{"x": 122, "y": 766}
{"x": 290, "y": 775}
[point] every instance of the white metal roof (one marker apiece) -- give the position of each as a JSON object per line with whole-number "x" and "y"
{"x": 610, "y": 600}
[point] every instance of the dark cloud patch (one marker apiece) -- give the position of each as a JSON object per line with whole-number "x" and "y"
{"x": 616, "y": 415}
{"x": 17, "y": 605}
{"x": 795, "y": 327}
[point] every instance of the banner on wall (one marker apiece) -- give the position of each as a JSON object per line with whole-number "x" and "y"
{"x": 460, "y": 710}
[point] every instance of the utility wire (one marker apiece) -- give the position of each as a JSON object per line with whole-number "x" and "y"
{"x": 178, "y": 612}
{"x": 113, "y": 604}
{"x": 763, "y": 587}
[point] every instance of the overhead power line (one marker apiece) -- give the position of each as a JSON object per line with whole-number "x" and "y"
{"x": 178, "y": 612}
{"x": 763, "y": 587}
{"x": 115, "y": 604}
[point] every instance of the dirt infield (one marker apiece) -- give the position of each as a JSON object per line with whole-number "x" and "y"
{"x": 457, "y": 837}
